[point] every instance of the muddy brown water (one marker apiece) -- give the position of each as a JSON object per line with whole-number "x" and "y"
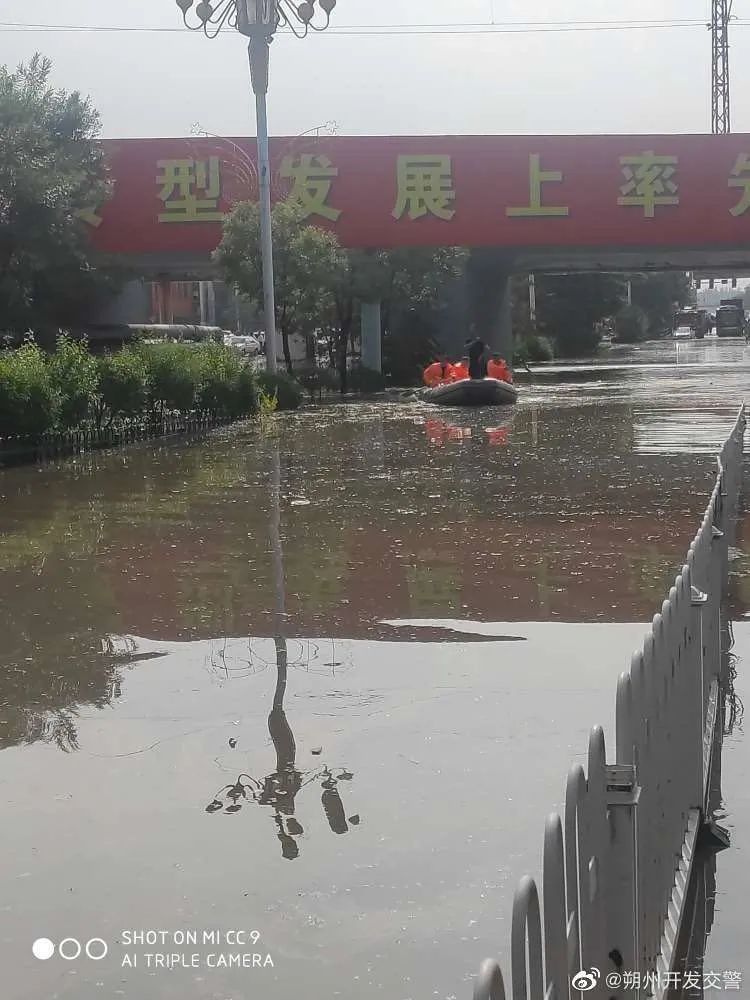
{"x": 324, "y": 683}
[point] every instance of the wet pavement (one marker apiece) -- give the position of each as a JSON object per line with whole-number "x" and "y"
{"x": 325, "y": 683}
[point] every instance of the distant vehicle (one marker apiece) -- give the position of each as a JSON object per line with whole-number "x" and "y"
{"x": 683, "y": 332}
{"x": 730, "y": 318}
{"x": 179, "y": 332}
{"x": 691, "y": 323}
{"x": 245, "y": 343}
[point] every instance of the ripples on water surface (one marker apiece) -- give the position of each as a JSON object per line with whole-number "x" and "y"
{"x": 327, "y": 683}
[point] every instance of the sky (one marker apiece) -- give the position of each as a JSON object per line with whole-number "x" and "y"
{"x": 541, "y": 82}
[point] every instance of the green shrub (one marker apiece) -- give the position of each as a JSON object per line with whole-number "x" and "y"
{"x": 631, "y": 325}
{"x": 123, "y": 384}
{"x": 217, "y": 368}
{"x": 39, "y": 394}
{"x": 366, "y": 380}
{"x": 409, "y": 345}
{"x": 246, "y": 392}
{"x": 318, "y": 380}
{"x": 226, "y": 386}
{"x": 534, "y": 350}
{"x": 28, "y": 401}
{"x": 75, "y": 379}
{"x": 267, "y": 407}
{"x": 173, "y": 375}
{"x": 575, "y": 339}
{"x": 288, "y": 391}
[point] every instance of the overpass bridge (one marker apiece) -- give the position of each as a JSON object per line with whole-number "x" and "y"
{"x": 522, "y": 203}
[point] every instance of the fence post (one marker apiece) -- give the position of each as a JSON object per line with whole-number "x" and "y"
{"x": 622, "y": 879}
{"x": 555, "y": 922}
{"x": 489, "y": 984}
{"x": 526, "y": 928}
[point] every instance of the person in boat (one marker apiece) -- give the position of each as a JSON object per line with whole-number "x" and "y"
{"x": 437, "y": 373}
{"x": 460, "y": 370}
{"x": 498, "y": 368}
{"x": 477, "y": 364}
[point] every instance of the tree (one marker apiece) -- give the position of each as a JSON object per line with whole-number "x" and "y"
{"x": 570, "y": 305}
{"x": 319, "y": 286}
{"x": 411, "y": 284}
{"x": 415, "y": 301}
{"x": 631, "y": 325}
{"x": 51, "y": 169}
{"x": 658, "y": 294}
{"x": 307, "y": 264}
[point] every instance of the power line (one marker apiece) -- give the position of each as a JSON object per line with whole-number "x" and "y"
{"x": 499, "y": 28}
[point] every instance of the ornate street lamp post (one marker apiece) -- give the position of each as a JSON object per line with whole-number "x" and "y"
{"x": 259, "y": 20}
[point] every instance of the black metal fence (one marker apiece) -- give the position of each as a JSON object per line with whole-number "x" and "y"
{"x": 59, "y": 444}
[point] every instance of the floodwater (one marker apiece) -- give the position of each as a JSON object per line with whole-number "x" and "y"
{"x": 325, "y": 682}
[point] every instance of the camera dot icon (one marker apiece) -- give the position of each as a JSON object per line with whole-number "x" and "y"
{"x": 70, "y": 949}
{"x": 43, "y": 949}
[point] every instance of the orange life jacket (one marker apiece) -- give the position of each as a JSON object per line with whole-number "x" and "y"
{"x": 433, "y": 374}
{"x": 499, "y": 370}
{"x": 459, "y": 371}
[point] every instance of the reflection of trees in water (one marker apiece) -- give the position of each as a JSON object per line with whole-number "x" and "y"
{"x": 59, "y": 584}
{"x": 57, "y": 726}
{"x": 734, "y": 709}
{"x": 52, "y": 663}
{"x": 700, "y": 908}
{"x": 76, "y": 529}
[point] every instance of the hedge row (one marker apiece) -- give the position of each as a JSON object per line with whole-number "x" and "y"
{"x": 71, "y": 389}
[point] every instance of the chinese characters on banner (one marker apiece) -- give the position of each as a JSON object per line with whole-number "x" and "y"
{"x": 311, "y": 177}
{"x": 190, "y": 190}
{"x": 741, "y": 179}
{"x": 535, "y": 208}
{"x": 425, "y": 187}
{"x": 649, "y": 181}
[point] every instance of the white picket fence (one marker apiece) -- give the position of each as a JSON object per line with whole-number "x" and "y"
{"x": 616, "y": 867}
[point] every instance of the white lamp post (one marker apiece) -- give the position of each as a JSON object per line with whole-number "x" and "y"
{"x": 259, "y": 20}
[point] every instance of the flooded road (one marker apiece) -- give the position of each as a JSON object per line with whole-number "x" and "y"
{"x": 325, "y": 683}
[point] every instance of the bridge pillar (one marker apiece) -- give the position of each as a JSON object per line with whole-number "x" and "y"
{"x": 164, "y": 299}
{"x": 371, "y": 336}
{"x": 490, "y": 305}
{"x": 207, "y": 293}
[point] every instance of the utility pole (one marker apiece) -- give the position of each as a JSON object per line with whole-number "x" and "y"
{"x": 721, "y": 12}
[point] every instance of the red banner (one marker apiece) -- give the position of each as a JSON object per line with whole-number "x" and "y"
{"x": 671, "y": 191}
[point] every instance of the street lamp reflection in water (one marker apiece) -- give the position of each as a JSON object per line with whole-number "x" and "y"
{"x": 279, "y": 790}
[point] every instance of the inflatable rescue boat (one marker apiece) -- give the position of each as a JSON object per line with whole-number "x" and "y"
{"x": 472, "y": 392}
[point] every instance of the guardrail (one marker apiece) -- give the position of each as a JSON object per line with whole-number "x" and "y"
{"x": 616, "y": 867}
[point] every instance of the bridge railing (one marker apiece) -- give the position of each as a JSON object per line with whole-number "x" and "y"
{"x": 616, "y": 867}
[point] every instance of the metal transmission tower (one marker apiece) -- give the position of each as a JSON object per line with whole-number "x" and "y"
{"x": 721, "y": 12}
